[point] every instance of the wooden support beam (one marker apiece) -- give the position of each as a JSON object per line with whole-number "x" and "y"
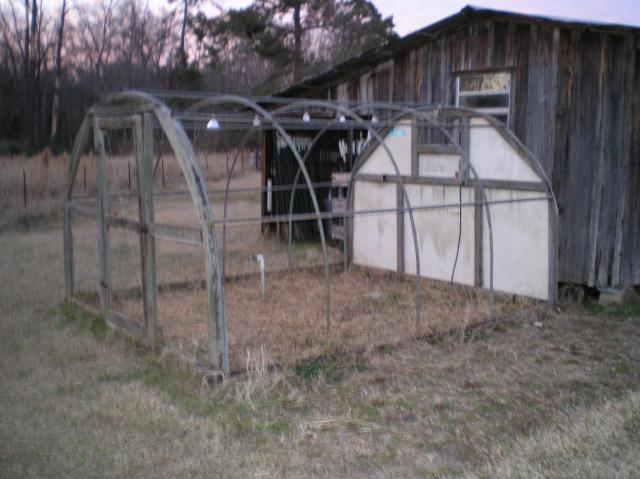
{"x": 79, "y": 145}
{"x": 446, "y": 181}
{"x": 144, "y": 163}
{"x": 465, "y": 140}
{"x": 478, "y": 238}
{"x": 113, "y": 111}
{"x": 437, "y": 149}
{"x": 179, "y": 234}
{"x": 78, "y": 209}
{"x": 116, "y": 122}
{"x": 399, "y": 230}
{"x": 553, "y": 253}
{"x": 113, "y": 319}
{"x": 117, "y": 321}
{"x": 125, "y": 224}
{"x": 69, "y": 278}
{"x": 414, "y": 147}
{"x": 104, "y": 274}
{"x": 85, "y": 307}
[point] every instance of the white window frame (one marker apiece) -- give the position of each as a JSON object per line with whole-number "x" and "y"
{"x": 505, "y": 110}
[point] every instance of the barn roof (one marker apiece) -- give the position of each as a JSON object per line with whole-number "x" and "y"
{"x": 393, "y": 48}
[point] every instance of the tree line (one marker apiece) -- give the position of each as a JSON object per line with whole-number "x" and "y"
{"x": 55, "y": 63}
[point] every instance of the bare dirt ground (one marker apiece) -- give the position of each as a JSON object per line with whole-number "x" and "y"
{"x": 554, "y": 394}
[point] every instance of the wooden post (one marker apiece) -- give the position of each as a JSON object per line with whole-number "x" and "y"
{"x": 415, "y": 133}
{"x": 129, "y": 175}
{"x": 399, "y": 230}
{"x": 78, "y": 146}
{"x": 68, "y": 253}
{"x": 144, "y": 164}
{"x": 24, "y": 187}
{"x": 103, "y": 233}
{"x": 84, "y": 172}
{"x": 478, "y": 238}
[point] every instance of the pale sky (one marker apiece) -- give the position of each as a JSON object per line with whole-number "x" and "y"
{"x": 411, "y": 15}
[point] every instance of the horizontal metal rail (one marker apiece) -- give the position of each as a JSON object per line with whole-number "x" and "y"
{"x": 255, "y": 189}
{"x": 327, "y": 215}
{"x": 190, "y": 235}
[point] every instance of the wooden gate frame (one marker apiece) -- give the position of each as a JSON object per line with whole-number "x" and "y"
{"x": 140, "y": 110}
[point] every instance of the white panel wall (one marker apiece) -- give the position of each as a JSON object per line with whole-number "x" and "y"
{"x": 520, "y": 244}
{"x": 440, "y": 166}
{"x": 520, "y": 230}
{"x": 375, "y": 237}
{"x": 438, "y": 234}
{"x": 398, "y": 140}
{"x": 493, "y": 157}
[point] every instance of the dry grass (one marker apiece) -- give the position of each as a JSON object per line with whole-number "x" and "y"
{"x": 552, "y": 395}
{"x": 368, "y": 309}
{"x": 598, "y": 442}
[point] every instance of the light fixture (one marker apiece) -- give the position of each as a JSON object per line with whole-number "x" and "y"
{"x": 342, "y": 119}
{"x": 256, "y": 121}
{"x": 306, "y": 117}
{"x": 213, "y": 124}
{"x": 374, "y": 119}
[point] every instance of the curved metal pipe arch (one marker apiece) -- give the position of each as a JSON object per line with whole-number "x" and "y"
{"x": 348, "y": 112}
{"x": 234, "y": 99}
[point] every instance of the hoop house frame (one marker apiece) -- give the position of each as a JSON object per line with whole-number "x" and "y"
{"x": 142, "y": 112}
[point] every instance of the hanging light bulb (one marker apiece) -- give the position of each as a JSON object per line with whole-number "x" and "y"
{"x": 374, "y": 119}
{"x": 342, "y": 119}
{"x": 306, "y": 117}
{"x": 256, "y": 121}
{"x": 213, "y": 124}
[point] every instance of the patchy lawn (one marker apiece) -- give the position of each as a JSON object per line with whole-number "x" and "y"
{"x": 554, "y": 394}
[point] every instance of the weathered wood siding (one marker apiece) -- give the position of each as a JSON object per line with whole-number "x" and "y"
{"x": 575, "y": 104}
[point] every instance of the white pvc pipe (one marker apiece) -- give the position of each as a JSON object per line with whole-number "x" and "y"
{"x": 263, "y": 282}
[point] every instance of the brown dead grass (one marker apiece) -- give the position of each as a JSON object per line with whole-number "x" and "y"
{"x": 369, "y": 309}
{"x": 46, "y": 181}
{"x": 600, "y": 442}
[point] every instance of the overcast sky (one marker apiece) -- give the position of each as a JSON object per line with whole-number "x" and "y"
{"x": 410, "y": 15}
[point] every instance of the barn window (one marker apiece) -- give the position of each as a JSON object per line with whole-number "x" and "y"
{"x": 486, "y": 92}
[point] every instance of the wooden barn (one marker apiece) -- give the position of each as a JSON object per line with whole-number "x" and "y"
{"x": 568, "y": 90}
